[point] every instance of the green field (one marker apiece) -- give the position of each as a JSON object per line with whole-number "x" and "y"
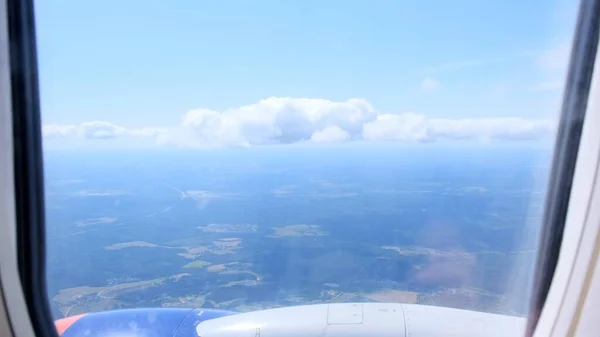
{"x": 197, "y": 264}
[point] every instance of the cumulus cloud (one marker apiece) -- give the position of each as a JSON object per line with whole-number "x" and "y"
{"x": 429, "y": 84}
{"x": 291, "y": 120}
{"x": 96, "y": 130}
{"x": 330, "y": 134}
{"x": 276, "y": 120}
{"x": 404, "y": 127}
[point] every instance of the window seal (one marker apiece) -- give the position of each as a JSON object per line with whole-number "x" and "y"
{"x": 28, "y": 164}
{"x": 568, "y": 136}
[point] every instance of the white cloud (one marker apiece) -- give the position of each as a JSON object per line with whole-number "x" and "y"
{"x": 418, "y": 128}
{"x": 57, "y": 131}
{"x": 96, "y": 130}
{"x": 404, "y": 127}
{"x": 503, "y": 128}
{"x": 330, "y": 134}
{"x": 291, "y": 120}
{"x": 274, "y": 120}
{"x": 429, "y": 85}
{"x": 146, "y": 132}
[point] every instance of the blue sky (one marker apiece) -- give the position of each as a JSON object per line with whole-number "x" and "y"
{"x": 137, "y": 64}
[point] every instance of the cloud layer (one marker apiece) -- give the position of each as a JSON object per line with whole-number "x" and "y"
{"x": 282, "y": 120}
{"x": 96, "y": 130}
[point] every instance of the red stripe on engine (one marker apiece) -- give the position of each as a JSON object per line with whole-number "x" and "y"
{"x": 64, "y": 323}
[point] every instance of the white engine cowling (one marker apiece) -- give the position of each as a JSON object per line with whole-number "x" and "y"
{"x": 363, "y": 319}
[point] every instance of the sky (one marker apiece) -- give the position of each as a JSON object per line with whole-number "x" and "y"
{"x": 252, "y": 73}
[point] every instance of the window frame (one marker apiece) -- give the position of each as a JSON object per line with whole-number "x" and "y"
{"x": 22, "y": 152}
{"x": 570, "y": 302}
{"x": 22, "y": 268}
{"x": 566, "y": 149}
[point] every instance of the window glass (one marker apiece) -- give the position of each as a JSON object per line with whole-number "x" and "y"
{"x": 245, "y": 155}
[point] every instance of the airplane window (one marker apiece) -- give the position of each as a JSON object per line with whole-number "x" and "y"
{"x": 378, "y": 161}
